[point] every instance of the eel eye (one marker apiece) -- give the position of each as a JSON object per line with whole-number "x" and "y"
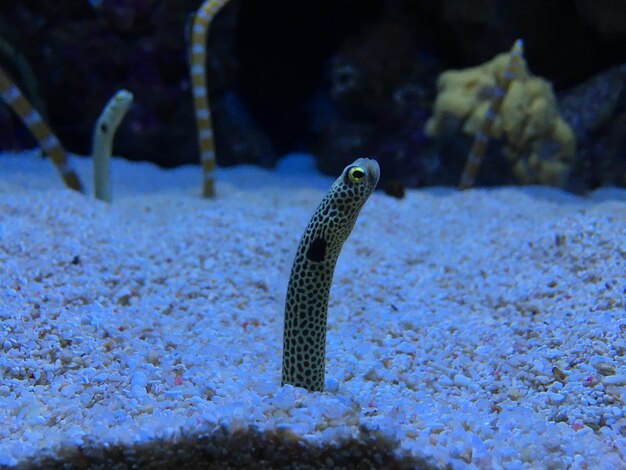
{"x": 356, "y": 174}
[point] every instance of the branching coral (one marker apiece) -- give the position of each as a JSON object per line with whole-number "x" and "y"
{"x": 201, "y": 23}
{"x": 538, "y": 143}
{"x": 48, "y": 142}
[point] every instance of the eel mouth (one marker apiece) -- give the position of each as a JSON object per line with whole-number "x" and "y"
{"x": 371, "y": 168}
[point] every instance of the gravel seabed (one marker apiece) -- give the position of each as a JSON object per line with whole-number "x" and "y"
{"x": 483, "y": 329}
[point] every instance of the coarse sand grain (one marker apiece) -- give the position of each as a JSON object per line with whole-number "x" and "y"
{"x": 476, "y": 329}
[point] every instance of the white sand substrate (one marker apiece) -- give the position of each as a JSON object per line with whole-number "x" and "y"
{"x": 482, "y": 329}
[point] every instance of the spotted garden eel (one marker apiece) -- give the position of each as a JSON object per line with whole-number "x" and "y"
{"x": 306, "y": 307}
{"x": 48, "y": 142}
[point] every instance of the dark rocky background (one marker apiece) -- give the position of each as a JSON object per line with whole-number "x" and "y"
{"x": 338, "y": 78}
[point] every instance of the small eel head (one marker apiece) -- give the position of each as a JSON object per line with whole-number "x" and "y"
{"x": 361, "y": 177}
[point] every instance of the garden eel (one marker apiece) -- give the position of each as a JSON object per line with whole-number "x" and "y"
{"x": 479, "y": 147}
{"x": 48, "y": 142}
{"x": 306, "y": 306}
{"x": 104, "y": 131}
{"x": 197, "y": 64}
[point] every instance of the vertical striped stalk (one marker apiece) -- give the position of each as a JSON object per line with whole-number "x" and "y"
{"x": 199, "y": 35}
{"x": 48, "y": 142}
{"x": 479, "y": 147}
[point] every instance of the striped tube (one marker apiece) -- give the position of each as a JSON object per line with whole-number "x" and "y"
{"x": 479, "y": 147}
{"x": 48, "y": 142}
{"x": 197, "y": 65}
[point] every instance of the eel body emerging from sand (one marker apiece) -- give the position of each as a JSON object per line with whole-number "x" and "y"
{"x": 306, "y": 307}
{"x": 50, "y": 145}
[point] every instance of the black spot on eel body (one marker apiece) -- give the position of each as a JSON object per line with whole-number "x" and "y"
{"x": 317, "y": 250}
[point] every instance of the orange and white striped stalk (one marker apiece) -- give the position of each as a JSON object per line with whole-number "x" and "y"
{"x": 479, "y": 147}
{"x": 199, "y": 35}
{"x": 48, "y": 142}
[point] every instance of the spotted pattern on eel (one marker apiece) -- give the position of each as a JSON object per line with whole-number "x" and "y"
{"x": 306, "y": 306}
{"x": 48, "y": 142}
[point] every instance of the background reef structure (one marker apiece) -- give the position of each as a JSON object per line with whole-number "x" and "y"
{"x": 362, "y": 84}
{"x": 538, "y": 143}
{"x": 93, "y": 49}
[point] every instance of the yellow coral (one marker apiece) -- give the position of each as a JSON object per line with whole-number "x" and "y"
{"x": 538, "y": 142}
